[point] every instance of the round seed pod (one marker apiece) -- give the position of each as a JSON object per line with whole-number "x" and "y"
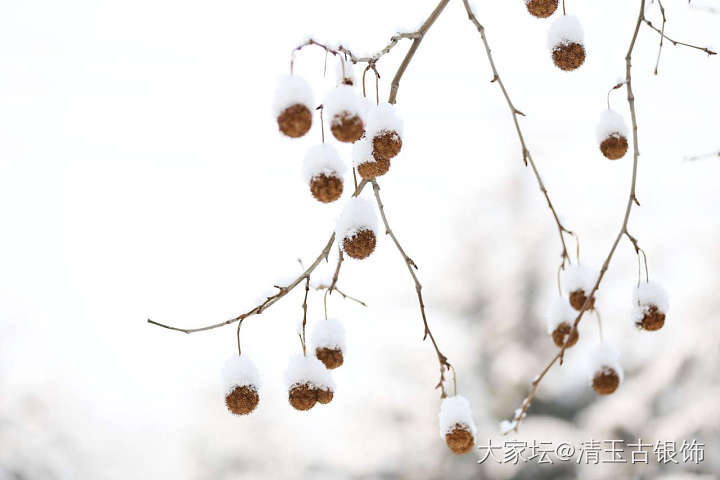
{"x": 368, "y": 163}
{"x": 344, "y": 112}
{"x": 560, "y": 317}
{"x": 612, "y": 135}
{"x": 604, "y": 368}
{"x": 332, "y": 358}
{"x": 302, "y": 397}
{"x": 384, "y": 130}
{"x": 323, "y": 171}
{"x": 356, "y": 229}
{"x": 324, "y": 396}
{"x": 457, "y": 427}
{"x": 541, "y": 8}
{"x": 565, "y": 41}
{"x": 328, "y": 339}
{"x": 242, "y": 382}
{"x": 293, "y": 106}
{"x": 578, "y": 280}
{"x": 650, "y": 306}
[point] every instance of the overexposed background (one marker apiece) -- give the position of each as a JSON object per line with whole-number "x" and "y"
{"x": 142, "y": 175}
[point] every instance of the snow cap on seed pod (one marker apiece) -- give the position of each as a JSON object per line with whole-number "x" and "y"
{"x": 323, "y": 171}
{"x": 578, "y": 281}
{"x": 560, "y": 318}
{"x": 356, "y": 230}
{"x": 344, "y": 110}
{"x": 241, "y": 381}
{"x": 565, "y": 41}
{"x": 604, "y": 368}
{"x": 385, "y": 129}
{"x": 368, "y": 163}
{"x": 650, "y": 306}
{"x": 328, "y": 340}
{"x": 345, "y": 72}
{"x": 541, "y": 8}
{"x": 308, "y": 382}
{"x": 293, "y": 105}
{"x": 457, "y": 427}
{"x": 612, "y": 135}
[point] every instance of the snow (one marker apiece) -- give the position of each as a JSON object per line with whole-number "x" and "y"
{"x": 647, "y": 294}
{"x": 329, "y": 333}
{"x": 358, "y": 214}
{"x": 506, "y": 426}
{"x": 322, "y": 159}
{"x": 345, "y": 70}
{"x": 558, "y": 312}
{"x": 455, "y": 410}
{"x": 342, "y": 98}
{"x": 292, "y": 90}
{"x": 239, "y": 371}
{"x": 611, "y": 123}
{"x": 383, "y": 118}
{"x": 579, "y": 277}
{"x": 308, "y": 369}
{"x": 362, "y": 152}
{"x": 564, "y": 30}
{"x": 604, "y": 355}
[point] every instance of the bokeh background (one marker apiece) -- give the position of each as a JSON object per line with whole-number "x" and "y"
{"x": 141, "y": 175}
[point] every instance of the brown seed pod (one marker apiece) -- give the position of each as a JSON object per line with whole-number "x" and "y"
{"x": 361, "y": 244}
{"x": 460, "y": 440}
{"x": 347, "y": 127}
{"x": 560, "y": 334}
{"x": 578, "y": 298}
{"x": 295, "y": 121}
{"x": 606, "y": 381}
{"x": 371, "y": 170}
{"x": 653, "y": 319}
{"x": 542, "y": 8}
{"x": 302, "y": 397}
{"x": 326, "y": 188}
{"x": 324, "y": 396}
{"x": 615, "y": 146}
{"x": 331, "y": 357}
{"x": 242, "y": 400}
{"x": 387, "y": 145}
{"x": 568, "y": 56}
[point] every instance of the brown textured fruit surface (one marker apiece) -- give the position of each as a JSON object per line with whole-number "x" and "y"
{"x": 387, "y": 145}
{"x": 568, "y": 56}
{"x": 324, "y": 396}
{"x": 614, "y": 147}
{"x": 653, "y": 320}
{"x": 577, "y": 300}
{"x": 242, "y": 400}
{"x": 542, "y": 8}
{"x": 459, "y": 439}
{"x": 360, "y": 245}
{"x": 606, "y": 381}
{"x": 561, "y": 333}
{"x": 295, "y": 121}
{"x": 347, "y": 127}
{"x": 371, "y": 170}
{"x": 326, "y": 188}
{"x": 302, "y": 397}
{"x": 330, "y": 357}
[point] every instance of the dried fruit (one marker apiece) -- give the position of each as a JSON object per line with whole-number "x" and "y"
{"x": 360, "y": 245}
{"x": 569, "y": 56}
{"x": 578, "y": 298}
{"x": 242, "y": 400}
{"x": 330, "y": 357}
{"x": 560, "y": 335}
{"x": 302, "y": 397}
{"x": 542, "y": 8}
{"x": 615, "y": 146}
{"x": 387, "y": 144}
{"x": 460, "y": 439}
{"x": 606, "y": 381}
{"x": 326, "y": 188}
{"x": 347, "y": 127}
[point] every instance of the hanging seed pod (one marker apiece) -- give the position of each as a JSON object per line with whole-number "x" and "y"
{"x": 328, "y": 339}
{"x": 560, "y": 317}
{"x": 368, "y": 163}
{"x": 323, "y": 171}
{"x": 612, "y": 135}
{"x": 457, "y": 427}
{"x": 293, "y": 106}
{"x": 565, "y": 41}
{"x": 356, "y": 230}
{"x": 344, "y": 111}
{"x": 242, "y": 383}
{"x": 384, "y": 130}
{"x": 605, "y": 371}
{"x": 308, "y": 382}
{"x": 650, "y": 306}
{"x": 578, "y": 280}
{"x": 541, "y": 8}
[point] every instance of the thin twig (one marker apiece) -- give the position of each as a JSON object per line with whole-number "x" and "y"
{"x": 675, "y": 42}
{"x": 411, "y": 266}
{"x": 304, "y": 308}
{"x": 662, "y": 35}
